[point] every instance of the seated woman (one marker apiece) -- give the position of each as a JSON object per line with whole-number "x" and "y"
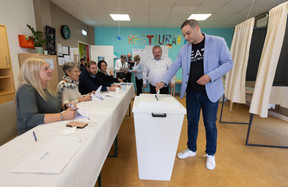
{"x": 35, "y": 104}
{"x": 102, "y": 73}
{"x": 68, "y": 87}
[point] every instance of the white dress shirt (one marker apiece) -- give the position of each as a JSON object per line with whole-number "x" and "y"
{"x": 155, "y": 70}
{"x": 118, "y": 65}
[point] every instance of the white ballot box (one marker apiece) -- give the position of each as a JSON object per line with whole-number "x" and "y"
{"x": 158, "y": 123}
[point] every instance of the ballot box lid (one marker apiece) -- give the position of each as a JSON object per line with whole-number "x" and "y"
{"x": 163, "y": 103}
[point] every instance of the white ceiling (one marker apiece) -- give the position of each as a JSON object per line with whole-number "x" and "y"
{"x": 164, "y": 13}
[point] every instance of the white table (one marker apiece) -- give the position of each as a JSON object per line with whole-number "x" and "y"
{"x": 83, "y": 169}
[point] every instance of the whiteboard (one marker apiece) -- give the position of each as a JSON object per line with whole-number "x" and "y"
{"x": 103, "y": 51}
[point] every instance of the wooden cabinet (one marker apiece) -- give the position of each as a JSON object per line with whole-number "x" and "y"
{"x": 7, "y": 89}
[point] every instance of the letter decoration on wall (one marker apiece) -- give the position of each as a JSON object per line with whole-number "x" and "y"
{"x": 158, "y": 39}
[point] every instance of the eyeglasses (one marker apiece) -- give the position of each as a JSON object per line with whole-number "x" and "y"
{"x": 77, "y": 71}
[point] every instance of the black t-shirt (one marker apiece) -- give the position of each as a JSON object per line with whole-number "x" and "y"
{"x": 197, "y": 67}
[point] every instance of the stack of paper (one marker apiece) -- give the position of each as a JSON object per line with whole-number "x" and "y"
{"x": 50, "y": 158}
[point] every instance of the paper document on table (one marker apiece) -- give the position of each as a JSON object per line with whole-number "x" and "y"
{"x": 113, "y": 95}
{"x": 69, "y": 131}
{"x": 50, "y": 158}
{"x": 97, "y": 96}
{"x": 124, "y": 69}
{"x": 83, "y": 111}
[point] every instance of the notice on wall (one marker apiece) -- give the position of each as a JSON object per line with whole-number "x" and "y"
{"x": 50, "y": 62}
{"x": 65, "y": 50}
{"x": 61, "y": 61}
{"x": 141, "y": 53}
{"x": 59, "y": 49}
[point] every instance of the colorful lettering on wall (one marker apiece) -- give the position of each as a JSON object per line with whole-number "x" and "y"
{"x": 164, "y": 39}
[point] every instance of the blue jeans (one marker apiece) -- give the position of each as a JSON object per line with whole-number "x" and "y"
{"x": 194, "y": 102}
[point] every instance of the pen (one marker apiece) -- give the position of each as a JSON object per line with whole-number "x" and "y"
{"x": 72, "y": 107}
{"x": 34, "y": 136}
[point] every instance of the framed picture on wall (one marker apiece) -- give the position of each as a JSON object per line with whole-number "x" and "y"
{"x": 101, "y": 58}
{"x": 51, "y": 40}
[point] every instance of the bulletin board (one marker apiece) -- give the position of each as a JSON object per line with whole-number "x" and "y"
{"x": 50, "y": 59}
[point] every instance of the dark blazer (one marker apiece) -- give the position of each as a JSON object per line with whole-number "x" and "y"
{"x": 109, "y": 79}
{"x": 88, "y": 84}
{"x": 82, "y": 68}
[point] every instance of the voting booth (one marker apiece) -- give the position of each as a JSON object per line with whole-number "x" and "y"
{"x": 158, "y": 122}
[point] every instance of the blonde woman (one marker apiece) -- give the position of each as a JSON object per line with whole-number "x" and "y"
{"x": 35, "y": 104}
{"x": 68, "y": 87}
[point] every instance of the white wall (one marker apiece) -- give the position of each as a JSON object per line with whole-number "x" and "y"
{"x": 15, "y": 14}
{"x": 103, "y": 51}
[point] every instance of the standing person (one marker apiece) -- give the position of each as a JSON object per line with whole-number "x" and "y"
{"x": 155, "y": 70}
{"x": 68, "y": 87}
{"x": 138, "y": 70}
{"x": 35, "y": 104}
{"x": 131, "y": 64}
{"x": 82, "y": 65}
{"x": 102, "y": 73}
{"x": 89, "y": 81}
{"x": 121, "y": 67}
{"x": 204, "y": 60}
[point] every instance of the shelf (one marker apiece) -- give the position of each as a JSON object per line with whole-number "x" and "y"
{"x": 5, "y": 67}
{"x": 6, "y": 92}
{"x": 5, "y": 77}
{"x": 6, "y": 96}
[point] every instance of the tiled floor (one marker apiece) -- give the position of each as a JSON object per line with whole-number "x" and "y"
{"x": 236, "y": 164}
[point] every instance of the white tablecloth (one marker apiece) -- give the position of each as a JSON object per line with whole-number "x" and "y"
{"x": 83, "y": 169}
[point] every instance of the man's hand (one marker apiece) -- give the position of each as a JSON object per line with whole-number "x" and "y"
{"x": 145, "y": 85}
{"x": 116, "y": 85}
{"x": 172, "y": 84}
{"x": 84, "y": 98}
{"x": 159, "y": 86}
{"x": 203, "y": 80}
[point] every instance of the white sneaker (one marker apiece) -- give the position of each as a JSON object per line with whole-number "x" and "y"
{"x": 210, "y": 162}
{"x": 186, "y": 153}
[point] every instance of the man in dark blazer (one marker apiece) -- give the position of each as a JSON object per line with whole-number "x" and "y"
{"x": 89, "y": 81}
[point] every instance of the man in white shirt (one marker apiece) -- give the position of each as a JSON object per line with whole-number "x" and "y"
{"x": 155, "y": 70}
{"x": 121, "y": 68}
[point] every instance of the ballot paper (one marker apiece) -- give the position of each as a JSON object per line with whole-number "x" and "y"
{"x": 157, "y": 95}
{"x": 51, "y": 157}
{"x": 69, "y": 131}
{"x": 164, "y": 102}
{"x": 97, "y": 96}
